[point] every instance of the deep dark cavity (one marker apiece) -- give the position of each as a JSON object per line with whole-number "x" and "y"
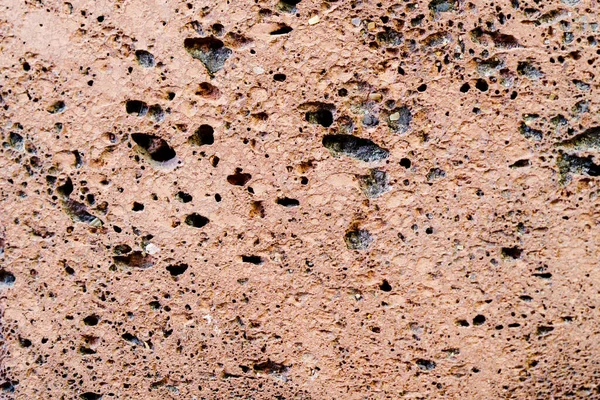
{"x": 271, "y": 367}
{"x": 569, "y": 164}
{"x": 438, "y": 6}
{"x": 196, "y": 26}
{"x": 279, "y": 77}
{"x": 287, "y": 202}
{"x": 210, "y": 51}
{"x": 490, "y": 66}
{"x": 156, "y": 113}
{"x": 205, "y": 89}
{"x": 145, "y": 58}
{"x": 155, "y": 305}
{"x": 257, "y": 209}
{"x": 435, "y": 174}
{"x": 90, "y": 396}
{"x": 504, "y": 41}
{"x": 157, "y": 148}
{"x": 137, "y": 207}
{"x": 282, "y": 30}
{"x": 389, "y": 37}
{"x": 121, "y": 249}
{"x": 358, "y": 239}
{"x": 482, "y": 85}
{"x": 479, "y": 320}
{"x": 239, "y": 178}
{"x": 587, "y": 140}
{"x": 520, "y": 164}
{"x": 288, "y": 6}
{"x": 511, "y": 252}
{"x": 354, "y": 147}
{"x": 237, "y": 40}
{"x": 78, "y": 213}
{"x": 204, "y": 135}
{"x": 196, "y": 220}
{"x": 527, "y": 69}
{"x": 385, "y": 286}
{"x": 405, "y": 162}
{"x": 7, "y": 278}
{"x": 57, "y": 107}
{"x": 257, "y": 260}
{"x": 425, "y": 365}
{"x": 437, "y": 39}
{"x": 91, "y": 320}
{"x": 136, "y": 107}
{"x": 581, "y": 107}
{"x": 15, "y": 141}
{"x": 321, "y": 117}
{"x": 581, "y": 85}
{"x": 78, "y": 159}
{"x": 374, "y": 184}
{"x": 183, "y": 197}
{"x": 530, "y": 133}
{"x": 217, "y": 29}
{"x": 544, "y": 330}
{"x": 66, "y": 188}
{"x": 176, "y": 270}
{"x": 8, "y": 386}
{"x": 128, "y": 337}
{"x": 418, "y": 20}
{"x": 86, "y": 350}
{"x": 559, "y": 121}
{"x": 261, "y": 116}
{"x": 136, "y": 259}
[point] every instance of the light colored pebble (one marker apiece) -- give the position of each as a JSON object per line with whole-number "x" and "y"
{"x": 375, "y": 96}
{"x": 152, "y": 249}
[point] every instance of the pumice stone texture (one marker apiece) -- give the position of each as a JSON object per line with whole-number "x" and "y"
{"x": 299, "y": 199}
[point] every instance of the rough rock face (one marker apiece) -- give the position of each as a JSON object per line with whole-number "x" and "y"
{"x": 299, "y": 199}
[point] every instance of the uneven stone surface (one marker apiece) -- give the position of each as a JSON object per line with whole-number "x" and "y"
{"x": 299, "y": 199}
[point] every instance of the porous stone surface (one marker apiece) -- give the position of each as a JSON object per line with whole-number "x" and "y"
{"x": 294, "y": 199}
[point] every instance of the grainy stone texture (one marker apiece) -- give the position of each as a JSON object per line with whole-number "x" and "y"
{"x": 299, "y": 199}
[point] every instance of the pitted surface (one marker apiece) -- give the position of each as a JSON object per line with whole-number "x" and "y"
{"x": 299, "y": 199}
